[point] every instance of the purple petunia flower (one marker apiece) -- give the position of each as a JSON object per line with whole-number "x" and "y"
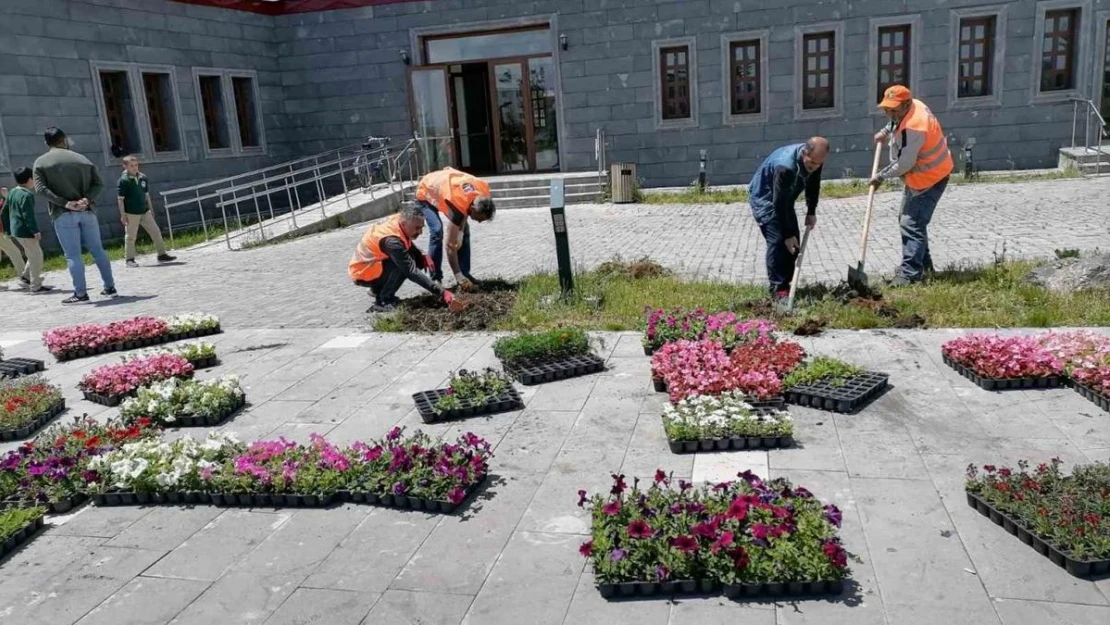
{"x": 617, "y": 555}
{"x": 662, "y": 573}
{"x": 833, "y": 515}
{"x": 398, "y": 488}
{"x": 581, "y": 498}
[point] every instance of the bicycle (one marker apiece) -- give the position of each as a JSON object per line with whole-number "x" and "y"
{"x": 369, "y": 167}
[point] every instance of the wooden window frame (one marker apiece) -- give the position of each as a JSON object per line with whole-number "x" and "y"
{"x": 728, "y": 42}
{"x": 1068, "y": 36}
{"x": 916, "y": 26}
{"x": 987, "y": 26}
{"x": 802, "y": 34}
{"x": 657, "y": 49}
{"x": 677, "y": 100}
{"x": 231, "y": 112}
{"x": 1101, "y": 86}
{"x": 137, "y": 89}
{"x": 1084, "y": 62}
{"x": 995, "y": 70}
{"x": 905, "y": 66}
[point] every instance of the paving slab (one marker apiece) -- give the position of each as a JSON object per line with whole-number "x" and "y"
{"x": 1017, "y": 612}
{"x": 219, "y": 545}
{"x": 145, "y": 600}
{"x": 406, "y": 607}
{"x": 333, "y": 607}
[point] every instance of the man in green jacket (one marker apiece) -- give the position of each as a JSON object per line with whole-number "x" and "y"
{"x": 7, "y": 240}
{"x": 70, "y": 183}
{"x": 25, "y": 228}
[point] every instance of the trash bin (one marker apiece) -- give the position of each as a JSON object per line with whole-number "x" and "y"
{"x": 622, "y": 179}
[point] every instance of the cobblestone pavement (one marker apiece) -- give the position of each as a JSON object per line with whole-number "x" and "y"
{"x": 303, "y": 283}
{"x": 896, "y": 470}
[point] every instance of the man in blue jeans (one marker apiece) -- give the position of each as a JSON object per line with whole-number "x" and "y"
{"x": 775, "y": 187}
{"x": 70, "y": 183}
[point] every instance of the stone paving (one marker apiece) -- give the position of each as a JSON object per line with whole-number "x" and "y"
{"x": 303, "y": 283}
{"x": 511, "y": 557}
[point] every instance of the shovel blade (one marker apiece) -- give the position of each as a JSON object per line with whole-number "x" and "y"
{"x": 857, "y": 277}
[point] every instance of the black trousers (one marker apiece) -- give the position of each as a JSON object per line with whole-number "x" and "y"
{"x": 385, "y": 287}
{"x": 780, "y": 262}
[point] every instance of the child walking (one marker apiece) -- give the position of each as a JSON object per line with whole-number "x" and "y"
{"x": 135, "y": 210}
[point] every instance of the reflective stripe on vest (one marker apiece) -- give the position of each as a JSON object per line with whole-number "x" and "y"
{"x": 934, "y": 161}
{"x": 366, "y": 262}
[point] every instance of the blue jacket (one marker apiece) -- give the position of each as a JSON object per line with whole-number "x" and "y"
{"x": 776, "y": 186}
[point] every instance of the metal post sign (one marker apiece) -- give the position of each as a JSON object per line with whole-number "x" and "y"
{"x": 562, "y": 242}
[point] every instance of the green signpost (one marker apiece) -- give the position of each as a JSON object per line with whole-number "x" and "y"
{"x": 562, "y": 243}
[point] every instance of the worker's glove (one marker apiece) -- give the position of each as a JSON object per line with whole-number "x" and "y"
{"x": 448, "y": 297}
{"x": 464, "y": 282}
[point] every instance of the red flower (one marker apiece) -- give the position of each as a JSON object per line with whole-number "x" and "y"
{"x": 661, "y": 477}
{"x": 738, "y": 509}
{"x": 618, "y": 484}
{"x": 586, "y": 548}
{"x": 612, "y": 508}
{"x": 639, "y": 529}
{"x": 685, "y": 544}
{"x": 723, "y": 542}
{"x": 92, "y": 442}
{"x": 739, "y": 557}
{"x": 707, "y": 529}
{"x": 835, "y": 554}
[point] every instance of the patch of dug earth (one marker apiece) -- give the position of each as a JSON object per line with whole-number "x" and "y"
{"x": 811, "y": 326}
{"x": 488, "y": 304}
{"x": 632, "y": 270}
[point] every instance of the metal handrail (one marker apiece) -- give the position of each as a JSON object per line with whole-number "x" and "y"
{"x": 1089, "y": 109}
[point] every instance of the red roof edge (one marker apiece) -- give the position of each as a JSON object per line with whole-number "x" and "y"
{"x": 289, "y": 6}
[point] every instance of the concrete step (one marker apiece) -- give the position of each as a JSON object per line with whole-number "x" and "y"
{"x": 544, "y": 201}
{"x": 1094, "y": 168}
{"x": 1076, "y": 157}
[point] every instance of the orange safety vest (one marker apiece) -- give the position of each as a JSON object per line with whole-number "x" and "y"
{"x": 451, "y": 185}
{"x": 934, "y": 161}
{"x": 366, "y": 263}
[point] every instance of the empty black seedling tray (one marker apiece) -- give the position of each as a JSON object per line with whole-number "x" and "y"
{"x": 1078, "y": 568}
{"x": 1008, "y": 384}
{"x": 33, "y": 425}
{"x": 25, "y": 533}
{"x": 855, "y": 393}
{"x": 537, "y": 371}
{"x": 205, "y": 363}
{"x": 712, "y": 587}
{"x": 426, "y": 401}
{"x": 16, "y": 367}
{"x": 1100, "y": 400}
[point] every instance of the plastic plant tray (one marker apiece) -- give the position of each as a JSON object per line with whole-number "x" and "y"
{"x": 712, "y": 587}
{"x": 1007, "y": 384}
{"x": 426, "y": 400}
{"x": 23, "y": 535}
{"x": 529, "y": 372}
{"x": 32, "y": 426}
{"x": 854, "y": 394}
{"x": 16, "y": 367}
{"x": 1100, "y": 400}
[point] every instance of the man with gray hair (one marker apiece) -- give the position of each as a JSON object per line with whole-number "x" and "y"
{"x": 387, "y": 256}
{"x": 775, "y": 187}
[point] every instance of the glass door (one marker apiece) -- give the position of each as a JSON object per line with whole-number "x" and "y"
{"x": 541, "y": 79}
{"x": 511, "y": 115}
{"x": 431, "y": 112}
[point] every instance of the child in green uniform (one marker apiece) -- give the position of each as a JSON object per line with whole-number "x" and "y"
{"x": 134, "y": 211}
{"x": 7, "y": 241}
{"x": 25, "y": 227}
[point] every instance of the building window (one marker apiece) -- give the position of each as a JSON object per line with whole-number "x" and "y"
{"x": 1058, "y": 50}
{"x": 139, "y": 111}
{"x": 161, "y": 111}
{"x": 245, "y": 111}
{"x": 894, "y": 58}
{"x": 976, "y": 57}
{"x": 819, "y": 71}
{"x": 674, "y": 66}
{"x": 119, "y": 111}
{"x": 215, "y": 117}
{"x": 1105, "y": 69}
{"x": 745, "y": 77}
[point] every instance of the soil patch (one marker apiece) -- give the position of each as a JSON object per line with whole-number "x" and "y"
{"x": 811, "y": 326}
{"x": 909, "y": 322}
{"x": 759, "y": 308}
{"x": 489, "y": 303}
{"x": 633, "y": 270}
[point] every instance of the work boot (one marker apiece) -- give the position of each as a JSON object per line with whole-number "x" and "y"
{"x": 899, "y": 281}
{"x": 781, "y": 295}
{"x": 393, "y": 301}
{"x": 166, "y": 258}
{"x": 381, "y": 308}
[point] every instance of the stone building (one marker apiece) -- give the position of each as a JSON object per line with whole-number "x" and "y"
{"x": 201, "y": 90}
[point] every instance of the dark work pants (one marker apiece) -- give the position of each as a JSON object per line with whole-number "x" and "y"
{"x": 435, "y": 242}
{"x": 385, "y": 287}
{"x": 917, "y": 212}
{"x": 780, "y": 262}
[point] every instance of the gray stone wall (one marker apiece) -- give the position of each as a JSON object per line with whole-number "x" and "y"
{"x": 46, "y": 79}
{"x": 343, "y": 79}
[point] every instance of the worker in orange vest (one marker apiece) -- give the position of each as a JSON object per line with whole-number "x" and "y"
{"x": 386, "y": 257}
{"x": 459, "y": 197}
{"x": 919, "y": 155}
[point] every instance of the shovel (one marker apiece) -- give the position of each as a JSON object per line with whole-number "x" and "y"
{"x": 857, "y": 278}
{"x": 797, "y": 271}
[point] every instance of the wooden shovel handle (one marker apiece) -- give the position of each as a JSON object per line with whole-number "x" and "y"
{"x": 797, "y": 270}
{"x": 870, "y": 205}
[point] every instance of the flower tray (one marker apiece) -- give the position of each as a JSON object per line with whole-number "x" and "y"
{"x": 194, "y": 334}
{"x": 34, "y": 424}
{"x": 649, "y": 350}
{"x": 110, "y": 401}
{"x": 854, "y": 394}
{"x": 426, "y": 401}
{"x": 1078, "y": 568}
{"x": 732, "y": 443}
{"x": 1007, "y": 384}
{"x": 538, "y": 371}
{"x": 410, "y": 503}
{"x": 776, "y": 403}
{"x": 84, "y": 353}
{"x": 205, "y": 363}
{"x": 254, "y": 500}
{"x": 15, "y": 367}
{"x": 52, "y": 507}
{"x": 1100, "y": 400}
{"x": 25, "y": 534}
{"x": 712, "y": 587}
{"x": 190, "y": 421}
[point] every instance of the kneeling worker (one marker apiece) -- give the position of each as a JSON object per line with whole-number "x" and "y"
{"x": 386, "y": 257}
{"x": 459, "y": 197}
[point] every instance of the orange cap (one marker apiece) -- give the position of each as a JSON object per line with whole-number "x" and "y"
{"x": 895, "y": 96}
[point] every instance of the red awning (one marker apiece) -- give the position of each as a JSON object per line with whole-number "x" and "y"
{"x": 281, "y": 7}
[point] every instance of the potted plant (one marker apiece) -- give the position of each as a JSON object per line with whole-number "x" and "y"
{"x": 178, "y": 402}
{"x": 469, "y": 393}
{"x": 109, "y": 384}
{"x": 26, "y": 404}
{"x": 17, "y": 526}
{"x": 725, "y": 421}
{"x": 536, "y": 357}
{"x": 998, "y": 363}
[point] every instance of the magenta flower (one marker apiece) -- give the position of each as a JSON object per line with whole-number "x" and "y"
{"x": 612, "y": 508}
{"x": 760, "y": 531}
{"x": 456, "y": 496}
{"x": 662, "y": 573}
{"x": 618, "y": 485}
{"x": 399, "y": 488}
{"x": 685, "y": 544}
{"x": 586, "y": 548}
{"x": 722, "y": 542}
{"x": 639, "y": 529}
{"x": 661, "y": 477}
{"x": 707, "y": 529}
